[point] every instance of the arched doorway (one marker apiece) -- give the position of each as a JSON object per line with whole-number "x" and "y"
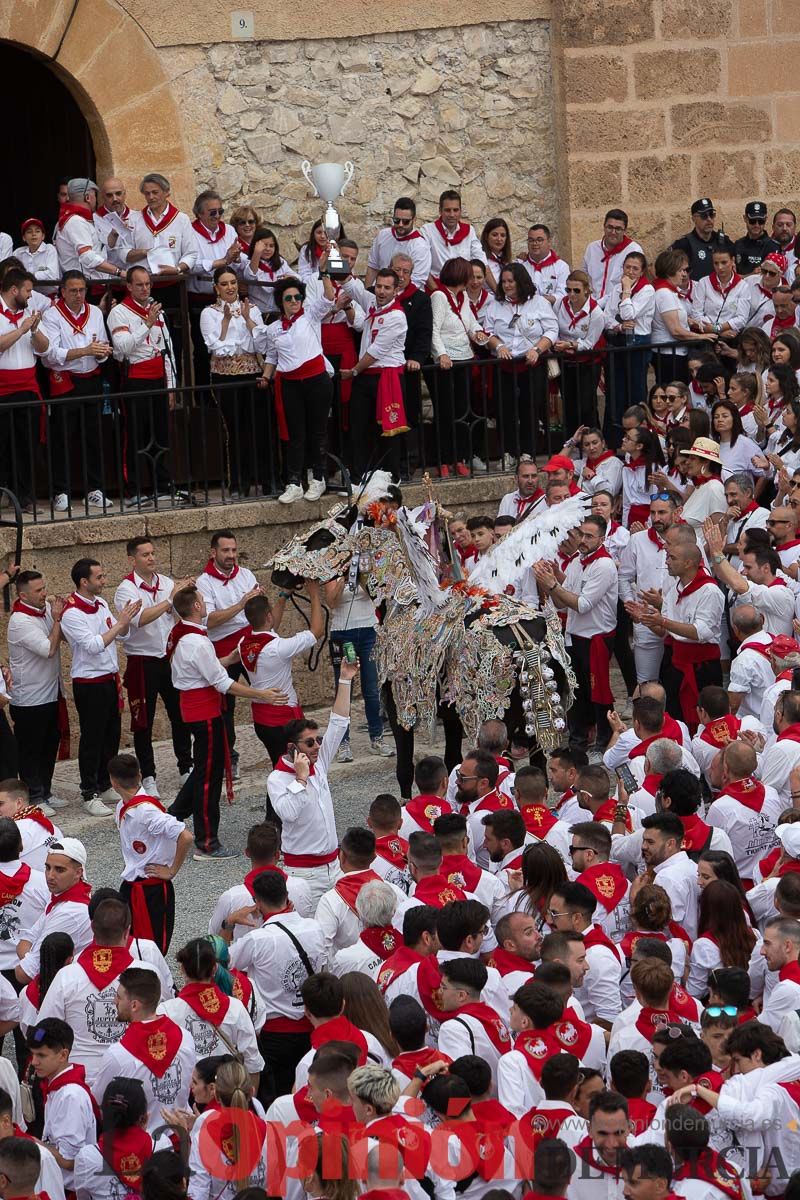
{"x": 46, "y": 138}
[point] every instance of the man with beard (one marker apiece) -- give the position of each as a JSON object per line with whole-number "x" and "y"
{"x": 400, "y": 236}
{"x": 642, "y": 572}
{"x": 21, "y": 343}
{"x": 476, "y": 795}
{"x": 784, "y": 229}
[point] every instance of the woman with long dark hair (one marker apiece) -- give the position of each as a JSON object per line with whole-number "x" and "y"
{"x": 725, "y": 938}
{"x": 263, "y": 266}
{"x": 122, "y": 1149}
{"x": 543, "y": 872}
{"x": 643, "y": 456}
{"x": 581, "y": 326}
{"x": 496, "y": 245}
{"x": 57, "y": 951}
{"x": 651, "y": 917}
{"x": 713, "y": 865}
{"x": 736, "y": 449}
{"x": 313, "y": 250}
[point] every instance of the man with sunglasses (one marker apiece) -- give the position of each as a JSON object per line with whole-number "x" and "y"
{"x": 217, "y": 245}
{"x": 752, "y": 249}
{"x": 400, "y": 235}
{"x": 700, "y": 242}
{"x": 643, "y": 570}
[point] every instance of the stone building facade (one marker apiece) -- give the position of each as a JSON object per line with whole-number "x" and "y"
{"x": 539, "y": 109}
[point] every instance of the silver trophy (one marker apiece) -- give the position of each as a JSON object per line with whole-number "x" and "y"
{"x": 329, "y": 181}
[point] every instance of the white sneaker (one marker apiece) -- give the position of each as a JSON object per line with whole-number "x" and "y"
{"x": 110, "y": 796}
{"x": 96, "y": 499}
{"x": 95, "y": 808}
{"x": 478, "y": 464}
{"x": 149, "y": 785}
{"x": 292, "y": 493}
{"x": 315, "y": 490}
{"x": 345, "y": 754}
{"x": 509, "y": 463}
{"x": 380, "y": 747}
{"x": 45, "y": 808}
{"x": 61, "y": 502}
{"x": 57, "y": 802}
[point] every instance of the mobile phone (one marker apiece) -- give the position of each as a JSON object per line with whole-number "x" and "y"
{"x": 349, "y": 652}
{"x": 291, "y": 751}
{"x": 627, "y": 778}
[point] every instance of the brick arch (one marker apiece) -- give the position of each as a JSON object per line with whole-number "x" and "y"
{"x": 116, "y": 76}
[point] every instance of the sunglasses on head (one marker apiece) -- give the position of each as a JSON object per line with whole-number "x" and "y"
{"x": 716, "y": 1010}
{"x": 660, "y": 496}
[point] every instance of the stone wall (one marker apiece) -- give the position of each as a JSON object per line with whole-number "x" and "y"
{"x": 415, "y": 111}
{"x": 668, "y": 100}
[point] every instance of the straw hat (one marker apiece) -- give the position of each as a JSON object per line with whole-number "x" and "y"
{"x": 705, "y": 448}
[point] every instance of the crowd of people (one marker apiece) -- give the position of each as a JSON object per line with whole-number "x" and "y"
{"x": 478, "y": 348}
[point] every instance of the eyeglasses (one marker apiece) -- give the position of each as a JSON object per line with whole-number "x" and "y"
{"x": 577, "y": 290}
{"x": 402, "y": 220}
{"x": 776, "y": 521}
{"x": 247, "y": 221}
{"x": 216, "y": 212}
{"x": 769, "y": 271}
{"x": 460, "y": 775}
{"x": 575, "y": 849}
{"x": 710, "y": 212}
{"x": 551, "y": 912}
{"x": 614, "y": 228}
{"x": 292, "y": 296}
{"x": 313, "y": 741}
{"x": 660, "y": 496}
{"x": 716, "y": 1010}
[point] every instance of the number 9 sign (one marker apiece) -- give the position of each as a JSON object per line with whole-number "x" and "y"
{"x": 242, "y": 25}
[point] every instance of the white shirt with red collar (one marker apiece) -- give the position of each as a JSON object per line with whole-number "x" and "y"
{"x": 267, "y": 659}
{"x": 159, "y": 1040}
{"x": 235, "y": 1025}
{"x": 639, "y": 307}
{"x": 209, "y": 247}
{"x": 464, "y": 1033}
{"x": 751, "y": 671}
{"x": 259, "y": 291}
{"x": 383, "y": 335}
{"x": 604, "y": 475}
{"x": 35, "y": 672}
{"x": 713, "y": 303}
{"x": 592, "y": 1179}
{"x": 549, "y": 275}
{"x": 148, "y": 640}
{"x": 240, "y": 896}
{"x": 293, "y": 342}
{"x": 783, "y": 997}
{"x": 220, "y": 591}
{"x": 642, "y": 565}
{"x": 22, "y": 355}
{"x": 118, "y": 253}
{"x": 147, "y": 349}
{"x": 519, "y": 507}
{"x": 702, "y": 608}
{"x": 476, "y": 830}
{"x": 84, "y": 623}
{"x": 755, "y": 305}
{"x": 386, "y": 244}
{"x": 65, "y": 916}
{"x": 599, "y": 993}
{"x": 78, "y": 243}
{"x": 306, "y": 809}
{"x": 604, "y": 268}
{"x": 69, "y": 1120}
{"x": 775, "y": 601}
{"x": 336, "y": 916}
{"x": 611, "y": 889}
{"x": 195, "y": 666}
{"x": 148, "y": 835}
{"x": 391, "y": 861}
{"x": 66, "y": 330}
{"x": 749, "y": 819}
{"x": 420, "y": 813}
{"x": 38, "y": 834}
{"x": 594, "y": 579}
{"x": 462, "y": 242}
{"x": 28, "y": 897}
{"x": 585, "y": 327}
{"x": 170, "y": 235}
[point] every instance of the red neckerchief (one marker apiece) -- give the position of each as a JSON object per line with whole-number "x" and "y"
{"x": 251, "y": 876}
{"x": 712, "y": 1168}
{"x": 429, "y": 983}
{"x": 713, "y": 279}
{"x": 75, "y": 1073}
{"x": 585, "y": 1150}
{"x": 607, "y": 254}
{"x": 523, "y": 502}
{"x": 596, "y": 936}
{"x": 73, "y": 209}
{"x": 590, "y": 304}
{"x": 425, "y": 809}
{"x": 655, "y": 539}
{"x": 12, "y": 886}
{"x": 82, "y": 605}
{"x": 216, "y": 236}
{"x": 395, "y": 306}
{"x": 104, "y": 964}
{"x": 601, "y": 552}
{"x": 696, "y": 834}
{"x": 15, "y": 317}
{"x": 594, "y": 463}
{"x": 538, "y": 819}
{"x": 506, "y": 962}
{"x": 207, "y": 1000}
{"x": 669, "y": 729}
{"x": 628, "y": 943}
{"x": 664, "y": 285}
{"x": 130, "y": 303}
{"x": 788, "y": 545}
{"x": 339, "y": 1029}
{"x": 437, "y": 891}
{"x": 19, "y": 606}
{"x": 452, "y": 239}
{"x": 251, "y": 646}
{"x": 167, "y": 217}
{"x": 380, "y": 939}
{"x": 783, "y": 323}
{"x": 493, "y": 1027}
{"x": 349, "y": 886}
{"x": 633, "y": 464}
{"x": 748, "y": 792}
{"x": 179, "y": 631}
{"x": 288, "y": 767}
{"x": 407, "y": 292}
{"x": 102, "y": 211}
{"x": 572, "y": 1034}
{"x": 491, "y": 1112}
{"x": 79, "y": 893}
{"x": 150, "y": 588}
{"x": 607, "y": 883}
{"x": 790, "y": 972}
{"x": 606, "y": 813}
{"x": 79, "y": 322}
{"x": 700, "y": 580}
{"x": 790, "y": 734}
{"x": 721, "y": 731}
{"x": 153, "y": 1043}
{"x": 461, "y": 871}
{"x": 135, "y": 801}
{"x": 455, "y": 307}
{"x": 549, "y": 260}
{"x": 712, "y": 1080}
{"x": 213, "y": 570}
{"x": 392, "y": 849}
{"x": 493, "y": 801}
{"x": 640, "y": 1115}
{"x": 32, "y": 813}
{"x": 476, "y": 308}
{"x": 650, "y": 1020}
{"x": 126, "y": 1151}
{"x": 403, "y": 958}
{"x": 651, "y": 783}
{"x": 303, "y": 1107}
{"x": 405, "y": 237}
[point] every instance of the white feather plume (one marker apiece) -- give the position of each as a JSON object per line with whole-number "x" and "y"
{"x": 537, "y": 537}
{"x": 377, "y": 486}
{"x": 412, "y": 533}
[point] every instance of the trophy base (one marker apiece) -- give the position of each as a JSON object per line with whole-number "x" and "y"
{"x": 337, "y": 270}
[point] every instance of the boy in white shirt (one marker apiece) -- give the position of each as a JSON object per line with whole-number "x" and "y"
{"x": 70, "y": 1114}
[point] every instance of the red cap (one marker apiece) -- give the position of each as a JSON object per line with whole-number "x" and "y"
{"x": 777, "y": 260}
{"x": 32, "y": 221}
{"x": 560, "y": 462}
{"x": 782, "y": 646}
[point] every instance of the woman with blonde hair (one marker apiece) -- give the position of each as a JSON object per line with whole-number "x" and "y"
{"x": 239, "y": 1139}
{"x": 245, "y": 220}
{"x": 581, "y": 325}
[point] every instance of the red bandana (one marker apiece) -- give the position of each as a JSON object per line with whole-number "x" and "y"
{"x": 135, "y": 801}
{"x": 130, "y": 303}
{"x": 461, "y": 871}
{"x": 506, "y": 962}
{"x": 713, "y": 279}
{"x": 207, "y": 1000}
{"x": 700, "y": 580}
{"x": 340, "y": 1030}
{"x": 250, "y": 877}
{"x": 392, "y": 849}
{"x": 150, "y": 588}
{"x": 405, "y": 237}
{"x": 609, "y": 253}
{"x": 153, "y": 1043}
{"x": 251, "y": 646}
{"x": 380, "y": 939}
{"x": 179, "y": 631}
{"x": 349, "y": 886}
{"x": 213, "y": 570}
{"x": 78, "y": 321}
{"x": 748, "y": 792}
{"x": 74, "y": 1074}
{"x": 607, "y": 883}
{"x": 424, "y": 810}
{"x": 790, "y": 734}
{"x": 606, "y": 813}
{"x": 104, "y": 964}
{"x": 79, "y": 893}
{"x": 721, "y": 731}
{"x": 493, "y": 1027}
{"x": 790, "y": 972}
{"x": 712, "y": 1168}
{"x": 650, "y": 1020}
{"x": 538, "y": 819}
{"x": 12, "y": 886}
{"x": 32, "y": 813}
{"x": 20, "y": 607}
{"x": 696, "y": 834}
{"x": 536, "y": 1046}
{"x": 596, "y": 936}
{"x": 585, "y": 1150}
{"x": 126, "y": 1151}
{"x": 452, "y": 239}
{"x": 601, "y": 552}
{"x": 594, "y": 463}
{"x": 73, "y": 209}
{"x": 397, "y": 965}
{"x": 167, "y": 217}
{"x": 216, "y": 236}
{"x": 85, "y": 606}
{"x": 437, "y": 891}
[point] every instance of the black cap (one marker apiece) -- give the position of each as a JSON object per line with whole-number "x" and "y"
{"x": 756, "y": 208}
{"x": 705, "y": 207}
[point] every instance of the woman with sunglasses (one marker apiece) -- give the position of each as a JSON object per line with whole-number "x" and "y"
{"x": 496, "y": 244}
{"x": 245, "y": 220}
{"x": 725, "y": 938}
{"x": 674, "y": 478}
{"x": 629, "y": 308}
{"x": 313, "y": 250}
{"x": 737, "y": 451}
{"x": 780, "y": 388}
{"x": 304, "y": 390}
{"x": 581, "y": 325}
{"x": 643, "y": 456}
{"x": 264, "y": 265}
{"x": 657, "y": 407}
{"x": 783, "y": 448}
{"x": 755, "y": 303}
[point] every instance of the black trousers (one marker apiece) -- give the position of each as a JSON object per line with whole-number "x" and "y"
{"x": 147, "y": 436}
{"x": 367, "y": 449}
{"x": 584, "y": 712}
{"x": 245, "y": 434}
{"x": 273, "y": 738}
{"x": 158, "y": 682}
{"x": 307, "y": 406}
{"x": 579, "y": 393}
{"x": 404, "y": 741}
{"x": 200, "y": 795}
{"x": 523, "y": 408}
{"x": 705, "y": 673}
{"x": 101, "y": 728}
{"x": 669, "y": 366}
{"x": 451, "y": 403}
{"x": 9, "y": 755}
{"x": 152, "y": 905}
{"x": 281, "y": 1053}
{"x": 76, "y": 432}
{"x": 622, "y": 649}
{"x": 37, "y": 738}
{"x": 229, "y": 710}
{"x": 18, "y": 436}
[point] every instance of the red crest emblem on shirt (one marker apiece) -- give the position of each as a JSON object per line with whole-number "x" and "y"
{"x": 538, "y": 1048}
{"x": 209, "y": 1000}
{"x": 432, "y": 811}
{"x": 102, "y": 960}
{"x": 139, "y": 847}
{"x": 566, "y": 1032}
{"x": 157, "y": 1046}
{"x": 605, "y": 885}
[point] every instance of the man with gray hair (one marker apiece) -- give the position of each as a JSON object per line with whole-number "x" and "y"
{"x": 751, "y": 670}
{"x": 743, "y": 513}
{"x": 77, "y": 239}
{"x": 662, "y": 755}
{"x": 376, "y": 905}
{"x": 216, "y": 245}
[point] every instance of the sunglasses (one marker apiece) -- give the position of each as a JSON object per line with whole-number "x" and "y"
{"x": 513, "y": 320}
{"x": 660, "y": 496}
{"x": 402, "y": 220}
{"x": 292, "y": 296}
{"x": 216, "y": 212}
{"x": 769, "y": 271}
{"x": 711, "y": 212}
{"x": 247, "y": 221}
{"x": 576, "y": 290}
{"x": 312, "y": 741}
{"x": 575, "y": 849}
{"x": 716, "y": 1010}
{"x": 756, "y": 220}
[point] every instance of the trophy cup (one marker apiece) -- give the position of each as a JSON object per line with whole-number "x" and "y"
{"x": 329, "y": 181}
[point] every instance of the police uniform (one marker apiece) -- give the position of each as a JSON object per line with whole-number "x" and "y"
{"x": 700, "y": 252}
{"x": 751, "y": 252}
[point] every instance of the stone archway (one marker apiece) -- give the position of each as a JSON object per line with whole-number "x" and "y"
{"x": 118, "y": 79}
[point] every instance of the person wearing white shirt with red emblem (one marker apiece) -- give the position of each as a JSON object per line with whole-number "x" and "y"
{"x": 67, "y": 911}
{"x": 629, "y": 306}
{"x": 38, "y": 708}
{"x": 715, "y": 297}
{"x": 147, "y": 673}
{"x": 581, "y": 325}
{"x": 756, "y": 307}
{"x": 572, "y": 909}
{"x": 590, "y": 853}
{"x": 377, "y": 399}
{"x": 37, "y": 255}
{"x": 77, "y": 240}
{"x": 217, "y": 245}
{"x": 226, "y": 587}
{"x": 671, "y": 317}
{"x": 401, "y": 235}
{"x": 751, "y": 668}
{"x": 378, "y": 939}
{"x": 450, "y": 237}
{"x": 459, "y": 869}
{"x": 110, "y": 212}
{"x": 301, "y": 795}
{"x": 603, "y": 259}
{"x": 548, "y": 271}
{"x": 642, "y": 568}
{"x": 152, "y": 1049}
{"x": 304, "y": 391}
{"x": 527, "y": 497}
{"x": 91, "y": 632}
{"x": 70, "y": 1113}
{"x": 79, "y": 347}
{"x": 24, "y": 896}
{"x": 336, "y": 910}
{"x": 199, "y": 675}
{"x": 22, "y": 341}
{"x": 419, "y": 813}
{"x": 588, "y": 591}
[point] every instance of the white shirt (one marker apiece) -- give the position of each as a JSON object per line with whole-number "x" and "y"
{"x": 220, "y": 594}
{"x": 260, "y": 294}
{"x": 550, "y": 277}
{"x": 532, "y": 321}
{"x": 92, "y": 1178}
{"x": 43, "y": 263}
{"x": 289, "y": 349}
{"x": 706, "y": 957}
{"x": 384, "y": 333}
{"x": 357, "y": 957}
{"x": 775, "y": 766}
{"x": 739, "y": 457}
{"x": 67, "y": 917}
{"x": 22, "y": 355}
{"x": 782, "y": 998}
{"x": 171, "y": 1090}
{"x": 269, "y": 958}
{"x": 63, "y": 337}
{"x": 36, "y": 841}
{"x": 306, "y": 809}
{"x": 442, "y": 249}
{"x": 84, "y": 632}
{"x": 238, "y": 339}
{"x": 678, "y": 877}
{"x": 599, "y": 993}
{"x": 69, "y": 1123}
{"x": 207, "y": 1180}
{"x": 273, "y": 667}
{"x": 669, "y": 301}
{"x": 79, "y": 246}
{"x": 208, "y": 252}
{"x": 451, "y": 331}
{"x": 340, "y": 925}
{"x": 464, "y": 1034}
{"x": 605, "y": 270}
{"x": 134, "y": 341}
{"x": 776, "y": 603}
{"x": 597, "y": 588}
{"x": 36, "y": 674}
{"x": 148, "y": 836}
{"x": 607, "y": 477}
{"x": 584, "y": 328}
{"x": 236, "y": 1025}
{"x": 702, "y": 608}
{"x": 238, "y": 896}
{"x": 635, "y": 489}
{"x": 149, "y": 640}
{"x": 717, "y": 306}
{"x": 709, "y": 498}
{"x": 20, "y": 913}
{"x": 513, "y": 505}
{"x": 173, "y": 234}
{"x": 638, "y": 307}
{"x": 751, "y": 674}
{"x": 386, "y": 244}
{"x": 755, "y": 306}
{"x": 642, "y": 566}
{"x": 195, "y": 665}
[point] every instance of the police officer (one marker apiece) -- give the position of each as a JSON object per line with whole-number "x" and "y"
{"x": 701, "y": 242}
{"x": 753, "y": 249}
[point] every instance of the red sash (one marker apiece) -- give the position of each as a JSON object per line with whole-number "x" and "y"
{"x": 599, "y": 660}
{"x": 790, "y": 972}
{"x": 133, "y": 682}
{"x": 104, "y": 964}
{"x": 390, "y": 409}
{"x": 349, "y": 886}
{"x": 607, "y": 883}
{"x": 380, "y": 939}
{"x": 685, "y": 656}
{"x": 712, "y": 1168}
{"x": 721, "y": 731}
{"x": 748, "y": 792}
{"x": 461, "y": 871}
{"x": 506, "y": 962}
{"x": 79, "y": 893}
{"x": 207, "y": 1000}
{"x": 167, "y": 217}
{"x": 392, "y": 849}
{"x": 126, "y": 1151}
{"x": 424, "y": 810}
{"x": 452, "y": 239}
{"x": 153, "y": 1043}
{"x": 403, "y": 958}
{"x": 340, "y": 1030}
{"x": 12, "y": 886}
{"x": 538, "y": 819}
{"x": 491, "y": 1024}
{"x": 437, "y": 891}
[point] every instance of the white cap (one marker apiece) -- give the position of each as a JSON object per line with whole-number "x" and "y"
{"x": 789, "y": 837}
{"x": 72, "y": 848}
